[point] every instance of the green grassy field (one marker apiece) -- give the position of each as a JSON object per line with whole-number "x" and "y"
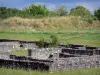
{"x": 84, "y": 37}
{"x": 69, "y": 30}
{"x": 4, "y": 71}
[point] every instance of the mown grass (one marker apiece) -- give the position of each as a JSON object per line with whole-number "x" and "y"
{"x": 4, "y": 71}
{"x": 91, "y": 38}
{"x": 20, "y": 52}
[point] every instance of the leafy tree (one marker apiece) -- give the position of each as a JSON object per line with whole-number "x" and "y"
{"x": 80, "y": 11}
{"x": 29, "y": 12}
{"x": 60, "y": 11}
{"x": 97, "y": 14}
{"x": 13, "y": 12}
{"x": 8, "y": 12}
{"x": 37, "y": 10}
{"x": 3, "y": 12}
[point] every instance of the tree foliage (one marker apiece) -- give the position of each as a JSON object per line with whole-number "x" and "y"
{"x": 3, "y": 12}
{"x": 80, "y": 11}
{"x": 8, "y": 12}
{"x": 42, "y": 11}
{"x": 37, "y": 10}
{"x": 97, "y": 14}
{"x": 60, "y": 11}
{"x": 31, "y": 11}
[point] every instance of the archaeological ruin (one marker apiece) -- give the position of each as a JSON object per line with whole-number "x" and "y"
{"x": 62, "y": 57}
{"x": 10, "y": 45}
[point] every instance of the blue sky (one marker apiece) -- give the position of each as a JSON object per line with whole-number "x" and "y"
{"x": 52, "y": 4}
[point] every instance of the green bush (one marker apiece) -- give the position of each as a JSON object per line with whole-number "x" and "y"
{"x": 41, "y": 43}
{"x": 54, "y": 40}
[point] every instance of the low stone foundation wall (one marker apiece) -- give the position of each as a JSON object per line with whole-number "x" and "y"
{"x": 52, "y": 64}
{"x": 44, "y": 53}
{"x": 49, "y": 59}
{"x": 76, "y": 63}
{"x": 4, "y": 55}
{"x": 16, "y": 45}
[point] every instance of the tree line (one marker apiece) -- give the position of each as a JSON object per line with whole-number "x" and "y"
{"x": 38, "y": 11}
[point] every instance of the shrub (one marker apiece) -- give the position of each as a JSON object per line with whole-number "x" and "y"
{"x": 41, "y": 43}
{"x": 54, "y": 40}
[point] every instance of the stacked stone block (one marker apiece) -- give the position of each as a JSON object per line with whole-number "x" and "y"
{"x": 7, "y": 46}
{"x": 4, "y": 55}
{"x": 76, "y": 63}
{"x": 44, "y": 53}
{"x": 75, "y": 57}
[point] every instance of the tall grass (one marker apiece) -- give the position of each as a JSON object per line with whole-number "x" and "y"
{"x": 47, "y": 24}
{"x": 4, "y": 71}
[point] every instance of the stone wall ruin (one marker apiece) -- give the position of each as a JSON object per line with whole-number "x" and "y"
{"x": 50, "y": 59}
{"x": 10, "y": 45}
